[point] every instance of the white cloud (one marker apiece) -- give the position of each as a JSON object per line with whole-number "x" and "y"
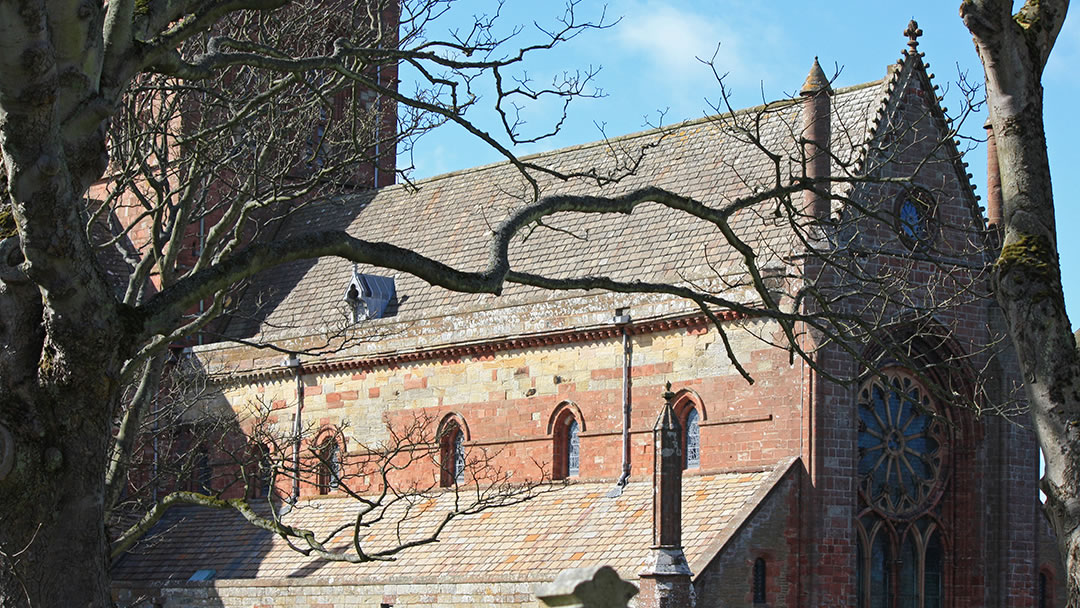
{"x": 671, "y": 37}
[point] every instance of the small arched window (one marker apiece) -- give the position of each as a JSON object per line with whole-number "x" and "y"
{"x": 692, "y": 440}
{"x": 1046, "y": 589}
{"x": 452, "y": 454}
{"x": 914, "y": 218}
{"x": 262, "y": 482}
{"x": 690, "y": 412}
{"x": 760, "y": 579}
{"x": 205, "y": 470}
{"x": 330, "y": 466}
{"x": 567, "y": 448}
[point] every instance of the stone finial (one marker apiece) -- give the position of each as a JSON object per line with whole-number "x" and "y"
{"x": 668, "y": 394}
{"x": 913, "y": 32}
{"x": 592, "y": 587}
{"x": 816, "y": 81}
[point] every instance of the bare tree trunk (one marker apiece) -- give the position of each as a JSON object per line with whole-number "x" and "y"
{"x": 53, "y": 536}
{"x": 1013, "y": 50}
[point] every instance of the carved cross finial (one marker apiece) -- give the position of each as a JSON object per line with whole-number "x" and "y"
{"x": 913, "y": 32}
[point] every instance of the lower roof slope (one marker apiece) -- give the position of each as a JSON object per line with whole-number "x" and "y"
{"x": 576, "y": 525}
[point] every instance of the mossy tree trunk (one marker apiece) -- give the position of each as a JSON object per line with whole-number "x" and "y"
{"x": 1014, "y": 48}
{"x": 60, "y": 357}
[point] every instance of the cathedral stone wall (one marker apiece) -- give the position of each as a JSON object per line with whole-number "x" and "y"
{"x": 507, "y": 399}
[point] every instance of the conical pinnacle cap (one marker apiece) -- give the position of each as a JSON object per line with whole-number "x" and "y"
{"x": 816, "y": 81}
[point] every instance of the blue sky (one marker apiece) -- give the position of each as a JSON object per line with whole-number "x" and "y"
{"x": 766, "y": 48}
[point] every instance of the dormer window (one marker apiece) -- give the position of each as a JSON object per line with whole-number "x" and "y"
{"x": 368, "y": 296}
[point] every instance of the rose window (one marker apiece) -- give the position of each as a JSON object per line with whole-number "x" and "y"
{"x": 901, "y": 446}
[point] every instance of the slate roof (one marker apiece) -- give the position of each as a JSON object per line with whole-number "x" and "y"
{"x": 575, "y": 525}
{"x": 449, "y": 217}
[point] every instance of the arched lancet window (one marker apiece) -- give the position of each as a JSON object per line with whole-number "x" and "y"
{"x": 205, "y": 470}
{"x": 760, "y": 578}
{"x": 1046, "y": 589}
{"x": 331, "y": 466}
{"x": 452, "y": 454}
{"x": 692, "y": 440}
{"x": 573, "y": 449}
{"x": 567, "y": 444}
{"x": 934, "y": 572}
{"x": 690, "y": 412}
{"x": 262, "y": 468}
{"x": 459, "y": 457}
{"x": 902, "y": 451}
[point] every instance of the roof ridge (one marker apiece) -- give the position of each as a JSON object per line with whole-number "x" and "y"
{"x": 776, "y": 103}
{"x": 698, "y": 156}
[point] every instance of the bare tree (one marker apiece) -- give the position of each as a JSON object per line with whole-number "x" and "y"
{"x": 223, "y": 118}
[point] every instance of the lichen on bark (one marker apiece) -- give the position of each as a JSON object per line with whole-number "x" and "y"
{"x": 7, "y": 222}
{"x": 1033, "y": 260}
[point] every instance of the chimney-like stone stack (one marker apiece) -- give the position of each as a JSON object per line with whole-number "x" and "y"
{"x": 994, "y": 213}
{"x": 665, "y": 582}
{"x": 817, "y": 129}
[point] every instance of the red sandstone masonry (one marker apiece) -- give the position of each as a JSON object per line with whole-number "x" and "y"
{"x": 788, "y": 412}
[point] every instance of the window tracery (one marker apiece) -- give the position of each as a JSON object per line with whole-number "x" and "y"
{"x": 900, "y": 446}
{"x": 914, "y": 216}
{"x": 573, "y": 451}
{"x": 692, "y": 440}
{"x": 902, "y": 453}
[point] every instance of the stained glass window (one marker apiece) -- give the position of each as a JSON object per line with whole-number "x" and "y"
{"x": 759, "y": 581}
{"x": 572, "y": 449}
{"x": 459, "y": 456}
{"x": 880, "y": 570}
{"x": 902, "y": 443}
{"x": 934, "y": 573}
{"x": 909, "y": 574}
{"x": 452, "y": 454}
{"x": 693, "y": 440}
{"x": 333, "y": 463}
{"x": 913, "y": 218}
{"x": 899, "y": 445}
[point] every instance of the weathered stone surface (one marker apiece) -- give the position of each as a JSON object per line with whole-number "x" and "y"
{"x": 593, "y": 587}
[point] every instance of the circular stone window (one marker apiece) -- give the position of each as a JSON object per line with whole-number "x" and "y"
{"x": 914, "y": 213}
{"x": 901, "y": 446}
